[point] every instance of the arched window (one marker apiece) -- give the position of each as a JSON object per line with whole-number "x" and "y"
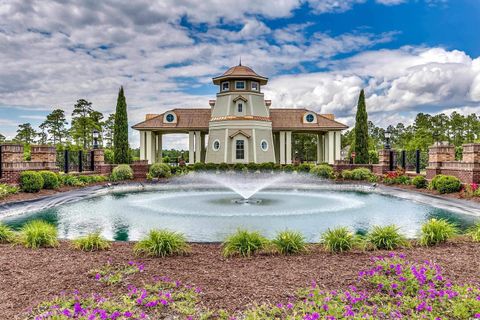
{"x": 216, "y": 145}
{"x": 264, "y": 145}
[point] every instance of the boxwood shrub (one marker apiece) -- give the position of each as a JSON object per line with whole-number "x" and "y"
{"x": 420, "y": 182}
{"x": 50, "y": 180}
{"x": 210, "y": 166}
{"x": 223, "y": 166}
{"x": 199, "y": 166}
{"x": 266, "y": 166}
{"x": 159, "y": 170}
{"x": 122, "y": 172}
{"x": 446, "y": 184}
{"x": 70, "y": 180}
{"x": 304, "y": 167}
{"x": 323, "y": 171}
{"x": 288, "y": 168}
{"x": 31, "y": 181}
{"x": 238, "y": 166}
{"x": 252, "y": 167}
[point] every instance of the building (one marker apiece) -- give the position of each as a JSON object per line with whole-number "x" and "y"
{"x": 240, "y": 126}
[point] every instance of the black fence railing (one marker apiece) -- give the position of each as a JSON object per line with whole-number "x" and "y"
{"x": 1, "y": 166}
{"x": 75, "y": 161}
{"x": 409, "y": 160}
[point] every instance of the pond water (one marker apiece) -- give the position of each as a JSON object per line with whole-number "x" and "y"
{"x": 206, "y": 214}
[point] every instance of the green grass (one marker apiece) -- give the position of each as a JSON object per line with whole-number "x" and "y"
{"x": 386, "y": 237}
{"x": 474, "y": 232}
{"x": 244, "y": 243}
{"x": 7, "y": 235}
{"x": 289, "y": 242}
{"x": 38, "y": 233}
{"x": 339, "y": 239}
{"x": 161, "y": 243}
{"x": 436, "y": 231}
{"x": 91, "y": 242}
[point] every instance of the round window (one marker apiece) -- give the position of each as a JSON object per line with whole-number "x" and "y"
{"x": 310, "y": 118}
{"x": 170, "y": 117}
{"x": 264, "y": 145}
{"x": 216, "y": 145}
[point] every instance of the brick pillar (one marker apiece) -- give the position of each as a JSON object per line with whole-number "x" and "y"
{"x": 12, "y": 162}
{"x": 471, "y": 153}
{"x": 383, "y": 165}
{"x": 12, "y": 153}
{"x": 46, "y": 156}
{"x": 437, "y": 155}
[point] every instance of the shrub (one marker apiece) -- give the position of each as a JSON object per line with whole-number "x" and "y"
{"x": 288, "y": 168}
{"x": 50, "y": 180}
{"x": 70, "y": 180}
{"x": 339, "y": 239}
{"x": 474, "y": 232}
{"x": 347, "y": 174}
{"x": 199, "y": 166}
{"x": 386, "y": 237}
{"x": 361, "y": 174}
{"x": 223, "y": 166}
{"x": 31, "y": 181}
{"x": 323, "y": 171}
{"x": 266, "y": 166}
{"x": 91, "y": 242}
{"x": 289, "y": 242}
{"x": 159, "y": 170}
{"x": 244, "y": 243}
{"x": 122, "y": 172}
{"x": 6, "y": 190}
{"x": 436, "y": 231}
{"x": 238, "y": 166}
{"x": 7, "y": 235}
{"x": 252, "y": 167}
{"x": 396, "y": 178}
{"x": 161, "y": 243}
{"x": 304, "y": 167}
{"x": 38, "y": 233}
{"x": 433, "y": 184}
{"x": 447, "y": 184}
{"x": 211, "y": 166}
{"x": 420, "y": 182}
{"x": 91, "y": 179}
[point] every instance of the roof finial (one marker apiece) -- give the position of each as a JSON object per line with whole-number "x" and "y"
{"x": 240, "y": 62}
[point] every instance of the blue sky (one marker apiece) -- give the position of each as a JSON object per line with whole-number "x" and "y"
{"x": 409, "y": 56}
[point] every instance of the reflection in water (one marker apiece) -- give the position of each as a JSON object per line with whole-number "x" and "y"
{"x": 51, "y": 216}
{"x": 120, "y": 230}
{"x": 462, "y": 222}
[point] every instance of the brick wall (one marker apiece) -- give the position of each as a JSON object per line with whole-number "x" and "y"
{"x": 140, "y": 169}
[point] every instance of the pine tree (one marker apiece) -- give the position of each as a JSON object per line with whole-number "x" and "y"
{"x": 2, "y": 138}
{"x": 361, "y": 131}
{"x": 55, "y": 126}
{"x": 120, "y": 133}
{"x": 108, "y": 128}
{"x": 25, "y": 134}
{"x": 82, "y": 124}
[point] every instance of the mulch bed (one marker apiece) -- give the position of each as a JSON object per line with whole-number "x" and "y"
{"x": 28, "y": 277}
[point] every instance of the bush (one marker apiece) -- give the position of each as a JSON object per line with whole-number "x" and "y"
{"x": 447, "y": 184}
{"x": 339, "y": 239}
{"x": 211, "y": 166}
{"x": 361, "y": 174}
{"x": 420, "y": 182}
{"x": 69, "y": 180}
{"x": 223, "y": 166}
{"x": 31, "y": 181}
{"x": 244, "y": 243}
{"x": 159, "y": 170}
{"x": 323, "y": 171}
{"x": 396, "y": 178}
{"x": 304, "y": 167}
{"x": 386, "y": 237}
{"x": 288, "y": 168}
{"x": 266, "y": 166}
{"x": 7, "y": 235}
{"x": 252, "y": 167}
{"x": 238, "y": 166}
{"x": 50, "y": 180}
{"x": 91, "y": 179}
{"x": 6, "y": 190}
{"x": 436, "y": 231}
{"x": 289, "y": 242}
{"x": 91, "y": 242}
{"x": 162, "y": 243}
{"x": 347, "y": 174}
{"x": 38, "y": 233}
{"x": 199, "y": 166}
{"x": 474, "y": 232}
{"x": 122, "y": 172}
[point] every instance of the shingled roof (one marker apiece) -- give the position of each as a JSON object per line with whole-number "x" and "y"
{"x": 198, "y": 119}
{"x": 240, "y": 72}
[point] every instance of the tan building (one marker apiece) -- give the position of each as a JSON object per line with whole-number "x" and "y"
{"x": 240, "y": 126}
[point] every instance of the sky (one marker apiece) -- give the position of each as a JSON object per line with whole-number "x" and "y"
{"x": 410, "y": 56}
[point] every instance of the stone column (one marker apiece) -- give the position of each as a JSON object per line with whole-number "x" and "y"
{"x": 159, "y": 147}
{"x": 288, "y": 145}
{"x": 198, "y": 146}
{"x": 151, "y": 147}
{"x": 383, "y": 165}
{"x": 338, "y": 145}
{"x": 191, "y": 145}
{"x": 437, "y": 155}
{"x": 331, "y": 147}
{"x": 471, "y": 153}
{"x": 204, "y": 150}
{"x": 276, "y": 143}
{"x": 319, "y": 148}
{"x": 142, "y": 146}
{"x": 282, "y": 147}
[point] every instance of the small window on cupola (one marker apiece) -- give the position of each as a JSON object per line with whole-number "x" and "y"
{"x": 240, "y": 85}
{"x": 225, "y": 86}
{"x": 254, "y": 86}
{"x": 240, "y": 107}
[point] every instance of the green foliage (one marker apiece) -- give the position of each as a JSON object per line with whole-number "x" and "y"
{"x": 7, "y": 235}
{"x": 361, "y": 174}
{"x": 238, "y": 166}
{"x": 288, "y": 168}
{"x": 84, "y": 121}
{"x": 199, "y": 166}
{"x": 6, "y": 190}
{"x": 159, "y": 170}
{"x": 223, "y": 166}
{"x": 323, "y": 171}
{"x": 386, "y": 237}
{"x": 446, "y": 184}
{"x": 25, "y": 134}
{"x": 161, "y": 243}
{"x": 38, "y": 233}
{"x": 436, "y": 231}
{"x": 55, "y": 124}
{"x": 373, "y": 156}
{"x": 71, "y": 180}
{"x": 91, "y": 179}
{"x": 361, "y": 131}
{"x": 289, "y": 242}
{"x": 420, "y": 182}
{"x": 252, "y": 167}
{"x": 91, "y": 242}
{"x": 50, "y": 180}
{"x": 109, "y": 156}
{"x": 244, "y": 243}
{"x": 120, "y": 134}
{"x": 210, "y": 166}
{"x": 31, "y": 181}
{"x": 339, "y": 239}
{"x": 474, "y": 232}
{"x": 305, "y": 167}
{"x": 122, "y": 172}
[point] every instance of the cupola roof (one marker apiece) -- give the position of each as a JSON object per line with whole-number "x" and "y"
{"x": 240, "y": 72}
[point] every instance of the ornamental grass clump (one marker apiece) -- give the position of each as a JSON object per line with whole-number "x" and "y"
{"x": 436, "y": 231}
{"x": 386, "y": 237}
{"x": 91, "y": 242}
{"x": 339, "y": 239}
{"x": 244, "y": 243}
{"x": 38, "y": 233}
{"x": 6, "y": 190}
{"x": 474, "y": 232}
{"x": 162, "y": 243}
{"x": 289, "y": 242}
{"x": 7, "y": 235}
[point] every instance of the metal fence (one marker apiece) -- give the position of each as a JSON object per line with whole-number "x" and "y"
{"x": 411, "y": 160}
{"x": 75, "y": 161}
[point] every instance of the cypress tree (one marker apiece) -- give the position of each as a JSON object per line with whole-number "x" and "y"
{"x": 120, "y": 134}
{"x": 361, "y": 131}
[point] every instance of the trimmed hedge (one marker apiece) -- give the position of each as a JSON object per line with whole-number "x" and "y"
{"x": 420, "y": 182}
{"x": 159, "y": 170}
{"x": 50, "y": 180}
{"x": 31, "y": 181}
{"x": 323, "y": 171}
{"x": 122, "y": 172}
{"x": 446, "y": 184}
